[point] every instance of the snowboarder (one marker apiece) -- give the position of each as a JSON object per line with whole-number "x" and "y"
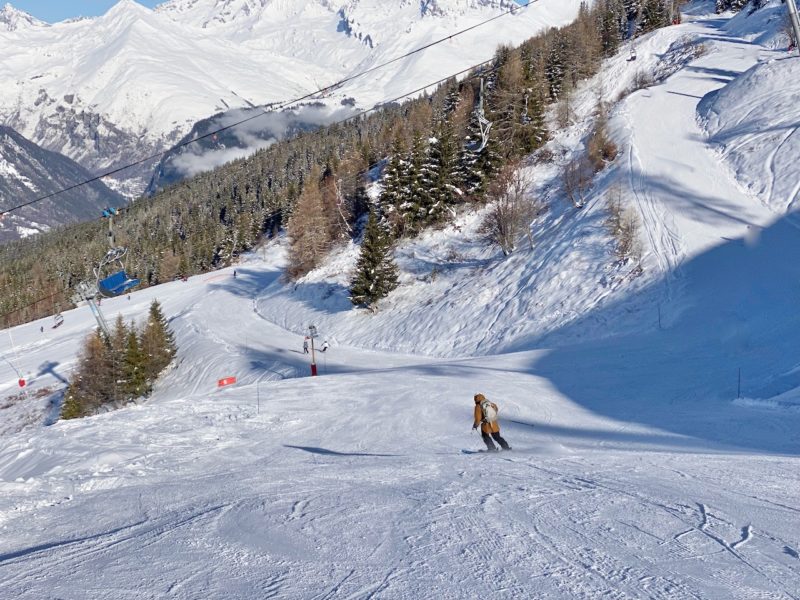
{"x": 324, "y": 346}
{"x": 305, "y": 345}
{"x": 486, "y": 417}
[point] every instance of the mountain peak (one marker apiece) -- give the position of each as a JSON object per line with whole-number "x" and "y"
{"x": 125, "y": 7}
{"x": 12, "y": 19}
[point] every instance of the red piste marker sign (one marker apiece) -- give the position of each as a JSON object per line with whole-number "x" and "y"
{"x": 226, "y": 381}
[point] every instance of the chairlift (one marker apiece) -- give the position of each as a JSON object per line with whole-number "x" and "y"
{"x": 524, "y": 118}
{"x": 484, "y": 124}
{"x": 118, "y": 281}
{"x": 632, "y": 55}
{"x": 58, "y": 318}
{"x": 112, "y": 280}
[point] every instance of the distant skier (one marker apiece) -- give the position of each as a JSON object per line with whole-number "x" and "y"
{"x": 305, "y": 346}
{"x": 234, "y": 273}
{"x": 486, "y": 417}
{"x": 324, "y": 346}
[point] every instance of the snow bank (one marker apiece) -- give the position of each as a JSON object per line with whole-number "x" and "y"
{"x": 766, "y": 26}
{"x": 789, "y": 400}
{"x": 753, "y": 122}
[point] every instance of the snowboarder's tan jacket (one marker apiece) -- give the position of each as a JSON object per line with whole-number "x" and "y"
{"x": 485, "y": 427}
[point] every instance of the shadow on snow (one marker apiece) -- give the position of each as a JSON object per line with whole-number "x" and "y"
{"x": 740, "y": 309}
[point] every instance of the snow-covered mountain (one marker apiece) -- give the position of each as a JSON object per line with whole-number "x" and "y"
{"x": 12, "y": 19}
{"x": 118, "y": 87}
{"x": 28, "y": 171}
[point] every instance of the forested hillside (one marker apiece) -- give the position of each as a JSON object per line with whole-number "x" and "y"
{"x": 428, "y": 149}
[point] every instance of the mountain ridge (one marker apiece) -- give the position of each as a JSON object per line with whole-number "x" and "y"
{"x": 87, "y": 87}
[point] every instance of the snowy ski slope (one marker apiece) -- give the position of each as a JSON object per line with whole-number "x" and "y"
{"x": 636, "y": 472}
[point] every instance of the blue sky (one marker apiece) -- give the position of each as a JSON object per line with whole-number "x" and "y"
{"x": 53, "y": 11}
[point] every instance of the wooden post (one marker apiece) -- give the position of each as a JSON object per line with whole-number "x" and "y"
{"x": 739, "y": 385}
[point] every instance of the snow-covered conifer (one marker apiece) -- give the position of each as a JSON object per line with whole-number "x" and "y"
{"x": 376, "y": 272}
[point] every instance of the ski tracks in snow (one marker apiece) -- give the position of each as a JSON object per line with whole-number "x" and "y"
{"x": 71, "y": 554}
{"x": 663, "y": 240}
{"x": 578, "y": 524}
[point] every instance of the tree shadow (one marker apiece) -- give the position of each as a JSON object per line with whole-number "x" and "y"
{"x": 330, "y": 298}
{"x": 739, "y": 309}
{"x": 683, "y": 200}
{"x": 619, "y": 439}
{"x": 248, "y": 282}
{"x": 723, "y": 75}
{"x": 326, "y": 452}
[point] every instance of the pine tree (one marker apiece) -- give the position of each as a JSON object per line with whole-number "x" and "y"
{"x": 157, "y": 343}
{"x": 333, "y": 205}
{"x": 612, "y": 25}
{"x": 440, "y": 177}
{"x": 134, "y": 369}
{"x": 359, "y": 201}
{"x": 376, "y": 272}
{"x": 451, "y": 102}
{"x": 735, "y": 5}
{"x": 117, "y": 345}
{"x": 395, "y": 188}
{"x": 556, "y": 65}
{"x": 92, "y": 384}
{"x": 308, "y": 230}
{"x": 518, "y": 109}
{"x": 654, "y": 14}
{"x": 533, "y": 132}
{"x": 412, "y": 208}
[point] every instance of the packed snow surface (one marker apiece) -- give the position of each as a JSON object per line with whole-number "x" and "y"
{"x": 654, "y": 420}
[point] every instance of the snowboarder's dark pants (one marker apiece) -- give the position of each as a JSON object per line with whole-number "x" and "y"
{"x": 487, "y": 439}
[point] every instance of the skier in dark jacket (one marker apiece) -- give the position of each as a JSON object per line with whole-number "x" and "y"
{"x": 489, "y": 430}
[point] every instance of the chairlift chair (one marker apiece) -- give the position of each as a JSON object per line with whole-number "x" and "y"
{"x": 484, "y": 125}
{"x": 58, "y": 318}
{"x": 524, "y": 118}
{"x": 118, "y": 282}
